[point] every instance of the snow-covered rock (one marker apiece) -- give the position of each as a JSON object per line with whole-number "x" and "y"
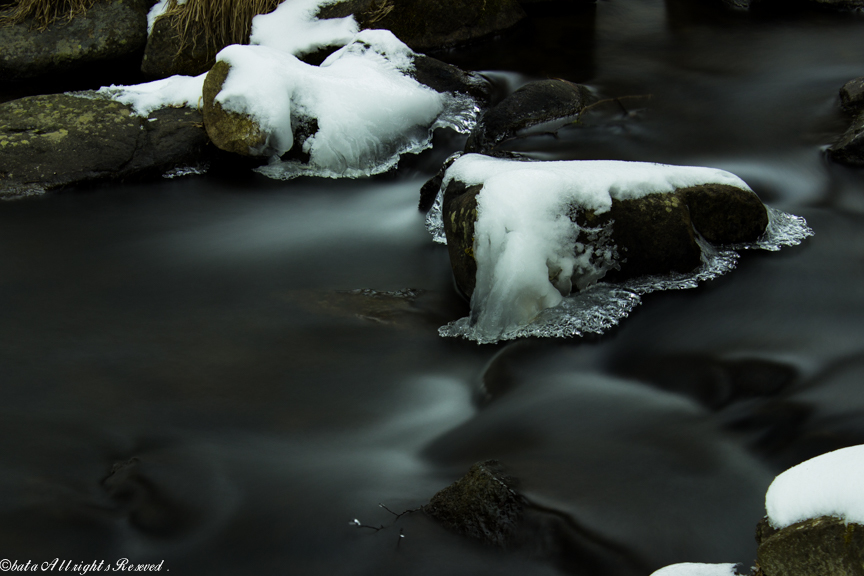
{"x": 353, "y": 115}
{"x": 523, "y": 236}
{"x": 57, "y": 140}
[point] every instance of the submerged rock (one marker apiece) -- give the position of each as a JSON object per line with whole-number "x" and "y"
{"x": 549, "y": 103}
{"x": 431, "y": 24}
{"x": 481, "y": 505}
{"x": 58, "y": 140}
{"x": 824, "y": 546}
{"x": 108, "y": 30}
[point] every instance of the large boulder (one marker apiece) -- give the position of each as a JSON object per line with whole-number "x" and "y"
{"x": 824, "y": 546}
{"x": 426, "y": 25}
{"x": 482, "y": 505}
{"x": 546, "y": 102}
{"x": 654, "y": 234}
{"x": 110, "y": 29}
{"x": 58, "y": 140}
{"x": 240, "y": 134}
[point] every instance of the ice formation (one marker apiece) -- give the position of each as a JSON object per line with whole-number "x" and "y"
{"x": 827, "y": 485}
{"x": 523, "y": 234}
{"x": 368, "y": 109}
{"x": 694, "y": 569}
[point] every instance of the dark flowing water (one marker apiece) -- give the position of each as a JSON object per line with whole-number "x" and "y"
{"x": 198, "y": 336}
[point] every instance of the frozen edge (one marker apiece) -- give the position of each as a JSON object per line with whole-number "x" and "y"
{"x": 603, "y": 305}
{"x": 460, "y": 114}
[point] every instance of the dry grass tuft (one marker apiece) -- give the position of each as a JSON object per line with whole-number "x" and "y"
{"x": 218, "y": 22}
{"x": 43, "y": 12}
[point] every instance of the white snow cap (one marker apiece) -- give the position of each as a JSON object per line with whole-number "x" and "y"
{"x": 171, "y": 91}
{"x": 827, "y": 485}
{"x": 693, "y": 569}
{"x": 293, "y": 28}
{"x": 524, "y": 236}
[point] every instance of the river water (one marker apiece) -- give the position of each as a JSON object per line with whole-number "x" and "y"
{"x": 208, "y": 341}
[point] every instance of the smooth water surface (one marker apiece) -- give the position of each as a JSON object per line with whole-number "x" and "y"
{"x": 191, "y": 372}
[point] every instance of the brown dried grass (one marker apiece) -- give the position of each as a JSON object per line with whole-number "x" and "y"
{"x": 217, "y": 22}
{"x": 43, "y": 12}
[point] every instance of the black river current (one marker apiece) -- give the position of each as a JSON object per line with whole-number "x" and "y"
{"x": 220, "y": 373}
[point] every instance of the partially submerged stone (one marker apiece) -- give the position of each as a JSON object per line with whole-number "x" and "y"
{"x": 108, "y": 30}
{"x": 482, "y": 505}
{"x": 849, "y": 149}
{"x": 852, "y": 95}
{"x": 548, "y": 103}
{"x": 655, "y": 234}
{"x": 824, "y": 546}
{"x": 52, "y": 141}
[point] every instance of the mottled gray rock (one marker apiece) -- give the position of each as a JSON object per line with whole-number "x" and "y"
{"x": 167, "y": 54}
{"x": 651, "y": 235}
{"x": 546, "y": 102}
{"x": 852, "y": 95}
{"x": 110, "y": 29}
{"x": 482, "y": 505}
{"x": 431, "y": 24}
{"x": 849, "y": 149}
{"x": 823, "y": 546}
{"x": 57, "y": 140}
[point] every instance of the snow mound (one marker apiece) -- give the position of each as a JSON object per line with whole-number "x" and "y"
{"x": 694, "y": 569}
{"x": 368, "y": 110}
{"x": 827, "y": 485}
{"x": 523, "y": 233}
{"x": 145, "y": 98}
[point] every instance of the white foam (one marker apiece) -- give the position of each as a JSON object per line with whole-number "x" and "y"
{"x": 827, "y": 485}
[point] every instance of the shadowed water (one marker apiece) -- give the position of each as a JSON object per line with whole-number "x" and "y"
{"x": 189, "y": 373}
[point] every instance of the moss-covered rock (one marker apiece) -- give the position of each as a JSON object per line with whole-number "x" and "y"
{"x": 431, "y": 24}
{"x": 482, "y": 505}
{"x": 543, "y": 102}
{"x": 823, "y": 546}
{"x": 230, "y": 131}
{"x": 51, "y": 141}
{"x": 110, "y": 29}
{"x": 655, "y": 234}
